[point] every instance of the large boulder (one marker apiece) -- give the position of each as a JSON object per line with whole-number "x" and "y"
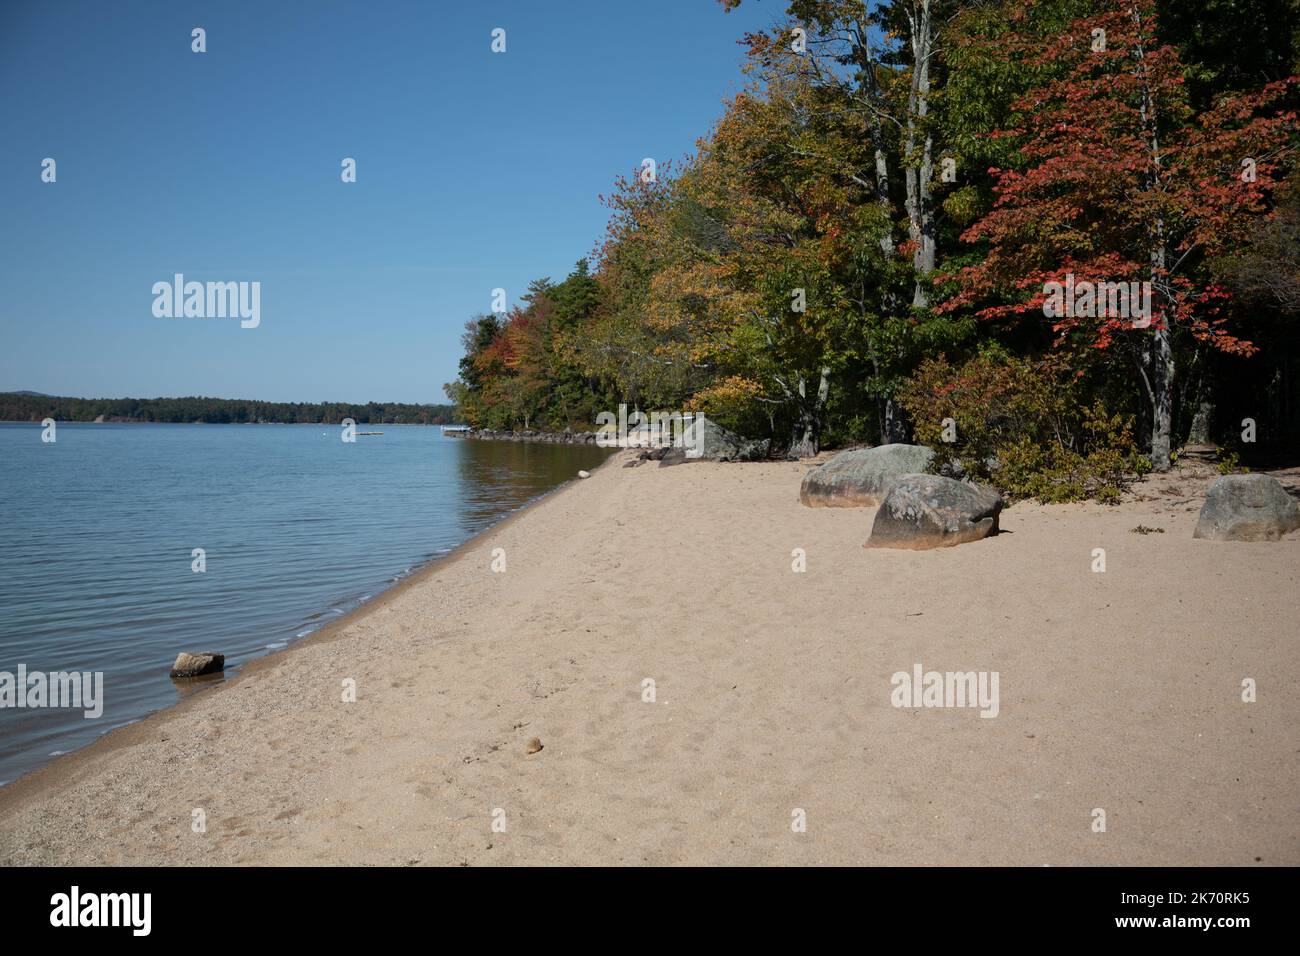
{"x": 196, "y": 665}
{"x": 861, "y": 477}
{"x": 705, "y": 440}
{"x": 1247, "y": 508}
{"x": 930, "y": 511}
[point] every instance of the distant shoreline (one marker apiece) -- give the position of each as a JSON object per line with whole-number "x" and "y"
{"x": 18, "y": 407}
{"x": 141, "y": 421}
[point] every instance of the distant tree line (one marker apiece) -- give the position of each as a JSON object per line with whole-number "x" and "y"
{"x": 220, "y": 411}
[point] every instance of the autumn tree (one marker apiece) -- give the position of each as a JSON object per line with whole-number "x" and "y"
{"x": 1119, "y": 180}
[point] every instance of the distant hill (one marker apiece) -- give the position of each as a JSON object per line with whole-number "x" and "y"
{"x": 33, "y": 407}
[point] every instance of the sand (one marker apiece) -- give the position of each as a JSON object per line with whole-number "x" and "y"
{"x": 1118, "y": 690}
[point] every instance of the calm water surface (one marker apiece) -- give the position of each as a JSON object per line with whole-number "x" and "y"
{"x": 98, "y": 528}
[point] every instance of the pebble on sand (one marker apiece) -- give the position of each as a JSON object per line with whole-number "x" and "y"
{"x": 533, "y": 745}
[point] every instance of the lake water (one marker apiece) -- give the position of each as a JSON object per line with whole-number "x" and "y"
{"x": 98, "y": 528}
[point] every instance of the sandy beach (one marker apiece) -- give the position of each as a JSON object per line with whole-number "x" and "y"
{"x": 772, "y": 695}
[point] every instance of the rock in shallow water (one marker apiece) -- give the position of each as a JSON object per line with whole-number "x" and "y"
{"x": 1247, "y": 508}
{"x": 196, "y": 665}
{"x": 861, "y": 477}
{"x": 929, "y": 511}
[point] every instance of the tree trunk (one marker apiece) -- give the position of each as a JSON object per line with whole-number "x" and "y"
{"x": 895, "y": 430}
{"x": 1162, "y": 352}
{"x": 1162, "y": 405}
{"x": 890, "y": 426}
{"x": 805, "y": 441}
{"x": 920, "y": 203}
{"x": 867, "y": 64}
{"x": 1202, "y": 428}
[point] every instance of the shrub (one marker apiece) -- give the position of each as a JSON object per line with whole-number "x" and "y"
{"x": 1230, "y": 464}
{"x": 1023, "y": 427}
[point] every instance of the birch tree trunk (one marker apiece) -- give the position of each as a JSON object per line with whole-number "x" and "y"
{"x": 1162, "y": 352}
{"x": 890, "y": 425}
{"x": 919, "y": 171}
{"x": 875, "y": 107}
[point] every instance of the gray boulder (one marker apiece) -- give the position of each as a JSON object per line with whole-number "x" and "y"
{"x": 715, "y": 443}
{"x": 861, "y": 477}
{"x": 1247, "y": 508}
{"x": 930, "y": 511}
{"x": 196, "y": 665}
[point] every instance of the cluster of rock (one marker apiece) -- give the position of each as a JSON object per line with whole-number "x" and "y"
{"x": 656, "y": 454}
{"x": 565, "y": 437}
{"x": 917, "y": 510}
{"x": 861, "y": 477}
{"x": 704, "y": 440}
{"x": 713, "y": 442}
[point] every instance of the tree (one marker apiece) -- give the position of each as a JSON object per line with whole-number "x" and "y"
{"x": 1119, "y": 180}
{"x": 882, "y": 63}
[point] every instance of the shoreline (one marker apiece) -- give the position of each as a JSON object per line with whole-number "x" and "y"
{"x": 141, "y": 421}
{"x": 1119, "y": 691}
{"x": 118, "y": 738}
{"x": 528, "y": 437}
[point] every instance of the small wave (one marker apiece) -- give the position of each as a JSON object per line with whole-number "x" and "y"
{"x": 278, "y": 645}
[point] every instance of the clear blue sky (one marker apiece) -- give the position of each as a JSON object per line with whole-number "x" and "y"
{"x": 475, "y": 170}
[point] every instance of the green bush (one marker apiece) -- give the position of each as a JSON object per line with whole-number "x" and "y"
{"x": 1230, "y": 464}
{"x": 1023, "y": 427}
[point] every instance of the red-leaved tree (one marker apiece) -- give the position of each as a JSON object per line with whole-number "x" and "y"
{"x": 1121, "y": 182}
